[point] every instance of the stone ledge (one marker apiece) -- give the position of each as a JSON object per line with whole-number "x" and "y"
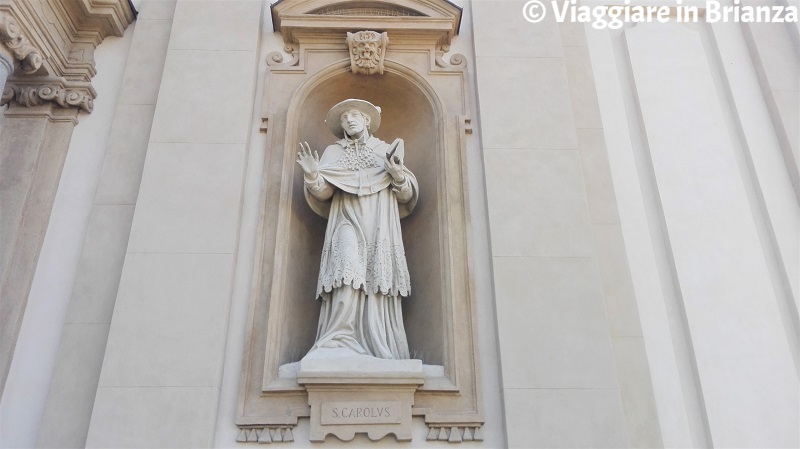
{"x": 341, "y": 366}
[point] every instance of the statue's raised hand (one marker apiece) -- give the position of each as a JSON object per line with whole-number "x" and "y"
{"x": 308, "y": 161}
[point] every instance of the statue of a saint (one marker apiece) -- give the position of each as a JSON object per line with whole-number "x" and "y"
{"x": 362, "y": 187}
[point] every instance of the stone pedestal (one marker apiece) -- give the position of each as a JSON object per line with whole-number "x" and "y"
{"x": 350, "y": 393}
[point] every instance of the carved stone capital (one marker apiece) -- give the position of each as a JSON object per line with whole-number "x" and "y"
{"x": 18, "y": 44}
{"x": 367, "y": 51}
{"x": 40, "y": 91}
{"x": 55, "y": 41}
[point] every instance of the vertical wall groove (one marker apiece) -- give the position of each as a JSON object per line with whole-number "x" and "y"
{"x": 766, "y": 230}
{"x": 681, "y": 334}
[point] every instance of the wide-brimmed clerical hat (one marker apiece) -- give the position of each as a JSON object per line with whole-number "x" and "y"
{"x": 334, "y": 122}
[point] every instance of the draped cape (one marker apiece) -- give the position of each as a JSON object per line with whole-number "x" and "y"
{"x": 363, "y": 241}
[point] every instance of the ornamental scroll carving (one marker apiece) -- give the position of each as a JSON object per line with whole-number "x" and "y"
{"x": 35, "y": 95}
{"x": 55, "y": 42}
{"x": 367, "y": 50}
{"x": 11, "y": 35}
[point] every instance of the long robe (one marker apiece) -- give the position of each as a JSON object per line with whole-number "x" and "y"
{"x": 363, "y": 270}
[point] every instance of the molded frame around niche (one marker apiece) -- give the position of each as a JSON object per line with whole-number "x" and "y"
{"x": 424, "y": 101}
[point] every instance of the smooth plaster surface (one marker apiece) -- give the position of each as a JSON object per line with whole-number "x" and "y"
{"x": 701, "y": 191}
{"x": 192, "y": 177}
{"x": 705, "y": 246}
{"x": 69, "y": 410}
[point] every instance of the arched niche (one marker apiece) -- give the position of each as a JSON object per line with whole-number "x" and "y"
{"x": 409, "y": 111}
{"x": 424, "y": 101}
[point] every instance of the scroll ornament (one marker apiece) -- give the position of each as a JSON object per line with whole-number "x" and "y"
{"x": 35, "y": 95}
{"x": 11, "y": 35}
{"x": 367, "y": 50}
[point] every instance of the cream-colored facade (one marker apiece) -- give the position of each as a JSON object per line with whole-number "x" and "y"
{"x": 608, "y": 254}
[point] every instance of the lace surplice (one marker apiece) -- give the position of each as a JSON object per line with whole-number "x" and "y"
{"x": 363, "y": 242}
{"x": 363, "y": 270}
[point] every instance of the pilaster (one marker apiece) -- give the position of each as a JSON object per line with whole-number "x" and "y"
{"x": 33, "y": 146}
{"x": 162, "y": 369}
{"x": 47, "y": 50}
{"x": 68, "y": 412}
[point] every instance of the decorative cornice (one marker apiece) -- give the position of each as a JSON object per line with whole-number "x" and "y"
{"x": 110, "y": 16}
{"x": 55, "y": 41}
{"x": 307, "y": 21}
{"x": 367, "y": 51}
{"x": 39, "y": 91}
{"x": 18, "y": 44}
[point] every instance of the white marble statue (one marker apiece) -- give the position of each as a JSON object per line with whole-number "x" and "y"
{"x": 362, "y": 187}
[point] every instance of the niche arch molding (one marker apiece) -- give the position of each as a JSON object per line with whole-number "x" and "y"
{"x": 425, "y": 102}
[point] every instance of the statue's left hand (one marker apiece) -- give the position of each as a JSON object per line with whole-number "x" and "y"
{"x": 394, "y": 165}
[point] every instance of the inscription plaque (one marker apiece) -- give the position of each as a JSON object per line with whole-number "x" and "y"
{"x": 359, "y": 394}
{"x": 361, "y": 412}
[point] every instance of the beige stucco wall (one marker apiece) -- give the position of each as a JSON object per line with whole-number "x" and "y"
{"x": 634, "y": 220}
{"x": 711, "y": 222}
{"x": 573, "y": 359}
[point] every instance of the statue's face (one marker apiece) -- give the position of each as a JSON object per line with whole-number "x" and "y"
{"x": 353, "y": 123}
